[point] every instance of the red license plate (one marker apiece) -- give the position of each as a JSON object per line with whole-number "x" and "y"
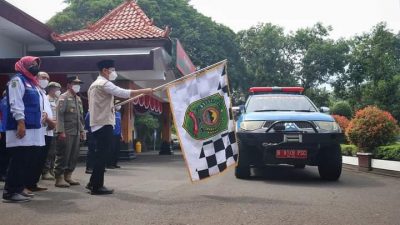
{"x": 291, "y": 154}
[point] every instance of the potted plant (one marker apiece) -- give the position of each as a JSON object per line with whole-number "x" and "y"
{"x": 364, "y": 161}
{"x": 370, "y": 128}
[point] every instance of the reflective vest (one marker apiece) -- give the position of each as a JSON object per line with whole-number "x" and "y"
{"x": 3, "y": 108}
{"x": 117, "y": 127}
{"x": 32, "y": 112}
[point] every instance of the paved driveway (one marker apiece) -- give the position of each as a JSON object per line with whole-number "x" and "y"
{"x": 156, "y": 190}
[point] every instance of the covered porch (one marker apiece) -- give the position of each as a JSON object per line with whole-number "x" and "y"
{"x": 144, "y": 56}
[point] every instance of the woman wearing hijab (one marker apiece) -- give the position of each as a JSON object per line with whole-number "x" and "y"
{"x": 24, "y": 131}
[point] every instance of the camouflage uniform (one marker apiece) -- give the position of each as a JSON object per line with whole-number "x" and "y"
{"x": 70, "y": 122}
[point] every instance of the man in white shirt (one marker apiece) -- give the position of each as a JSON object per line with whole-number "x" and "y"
{"x": 38, "y": 158}
{"x": 102, "y": 119}
{"x": 53, "y": 92}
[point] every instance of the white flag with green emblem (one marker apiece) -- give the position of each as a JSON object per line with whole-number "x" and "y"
{"x": 202, "y": 113}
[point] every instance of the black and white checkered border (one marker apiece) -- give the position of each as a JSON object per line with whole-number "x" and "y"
{"x": 218, "y": 155}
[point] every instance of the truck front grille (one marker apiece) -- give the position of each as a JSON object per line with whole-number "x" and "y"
{"x": 299, "y": 124}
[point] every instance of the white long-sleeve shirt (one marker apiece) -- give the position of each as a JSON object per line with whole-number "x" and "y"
{"x": 49, "y": 111}
{"x": 33, "y": 137}
{"x": 114, "y": 90}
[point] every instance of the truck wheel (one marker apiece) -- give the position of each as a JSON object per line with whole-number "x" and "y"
{"x": 242, "y": 170}
{"x": 330, "y": 163}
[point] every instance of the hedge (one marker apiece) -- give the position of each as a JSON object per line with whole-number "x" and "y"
{"x": 388, "y": 152}
{"x": 342, "y": 108}
{"x": 349, "y": 150}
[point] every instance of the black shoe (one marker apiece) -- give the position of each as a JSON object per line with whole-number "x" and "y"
{"x": 89, "y": 171}
{"x": 15, "y": 198}
{"x": 110, "y": 167}
{"x": 102, "y": 191}
{"x": 117, "y": 167}
{"x": 26, "y": 194}
{"x": 2, "y": 178}
{"x": 89, "y": 186}
{"x": 37, "y": 188}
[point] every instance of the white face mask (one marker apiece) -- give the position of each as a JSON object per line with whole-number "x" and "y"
{"x": 113, "y": 75}
{"x": 58, "y": 93}
{"x": 117, "y": 108}
{"x": 76, "y": 88}
{"x": 43, "y": 83}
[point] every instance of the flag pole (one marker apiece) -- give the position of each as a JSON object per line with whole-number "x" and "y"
{"x": 172, "y": 82}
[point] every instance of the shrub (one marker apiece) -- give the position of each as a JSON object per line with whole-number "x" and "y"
{"x": 342, "y": 108}
{"x": 342, "y": 121}
{"x": 371, "y": 127}
{"x": 349, "y": 150}
{"x": 390, "y": 152}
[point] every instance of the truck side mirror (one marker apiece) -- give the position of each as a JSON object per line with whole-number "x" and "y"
{"x": 242, "y": 109}
{"x": 324, "y": 109}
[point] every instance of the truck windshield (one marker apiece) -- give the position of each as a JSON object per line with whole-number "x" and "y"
{"x": 272, "y": 102}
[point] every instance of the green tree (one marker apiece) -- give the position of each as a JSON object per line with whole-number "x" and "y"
{"x": 320, "y": 96}
{"x": 81, "y": 13}
{"x": 317, "y": 59}
{"x": 373, "y": 73}
{"x": 205, "y": 41}
{"x": 264, "y": 49}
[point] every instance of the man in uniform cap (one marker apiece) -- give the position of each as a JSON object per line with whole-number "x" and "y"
{"x": 53, "y": 92}
{"x": 70, "y": 131}
{"x": 102, "y": 119}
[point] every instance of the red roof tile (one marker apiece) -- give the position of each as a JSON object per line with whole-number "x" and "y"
{"x": 127, "y": 21}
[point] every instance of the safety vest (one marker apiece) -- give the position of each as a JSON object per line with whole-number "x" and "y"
{"x": 3, "y": 109}
{"x": 32, "y": 112}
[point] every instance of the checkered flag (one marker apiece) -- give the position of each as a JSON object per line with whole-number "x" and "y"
{"x": 218, "y": 154}
{"x": 201, "y": 109}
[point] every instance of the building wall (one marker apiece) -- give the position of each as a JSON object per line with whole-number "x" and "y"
{"x": 10, "y": 48}
{"x": 107, "y": 52}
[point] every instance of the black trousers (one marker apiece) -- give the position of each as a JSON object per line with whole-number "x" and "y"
{"x": 104, "y": 139}
{"x": 37, "y": 159}
{"x": 18, "y": 169}
{"x": 91, "y": 141}
{"x": 4, "y": 155}
{"x": 114, "y": 153}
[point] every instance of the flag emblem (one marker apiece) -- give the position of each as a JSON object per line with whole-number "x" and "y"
{"x": 206, "y": 117}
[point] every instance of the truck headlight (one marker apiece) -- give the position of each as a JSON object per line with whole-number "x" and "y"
{"x": 251, "y": 125}
{"x": 328, "y": 126}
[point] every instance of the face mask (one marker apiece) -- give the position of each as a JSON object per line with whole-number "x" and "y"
{"x": 34, "y": 70}
{"x": 43, "y": 83}
{"x": 118, "y": 108}
{"x": 58, "y": 93}
{"x": 113, "y": 75}
{"x": 76, "y": 88}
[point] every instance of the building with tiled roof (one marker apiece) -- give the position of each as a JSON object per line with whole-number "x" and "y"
{"x": 142, "y": 53}
{"x": 127, "y": 21}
